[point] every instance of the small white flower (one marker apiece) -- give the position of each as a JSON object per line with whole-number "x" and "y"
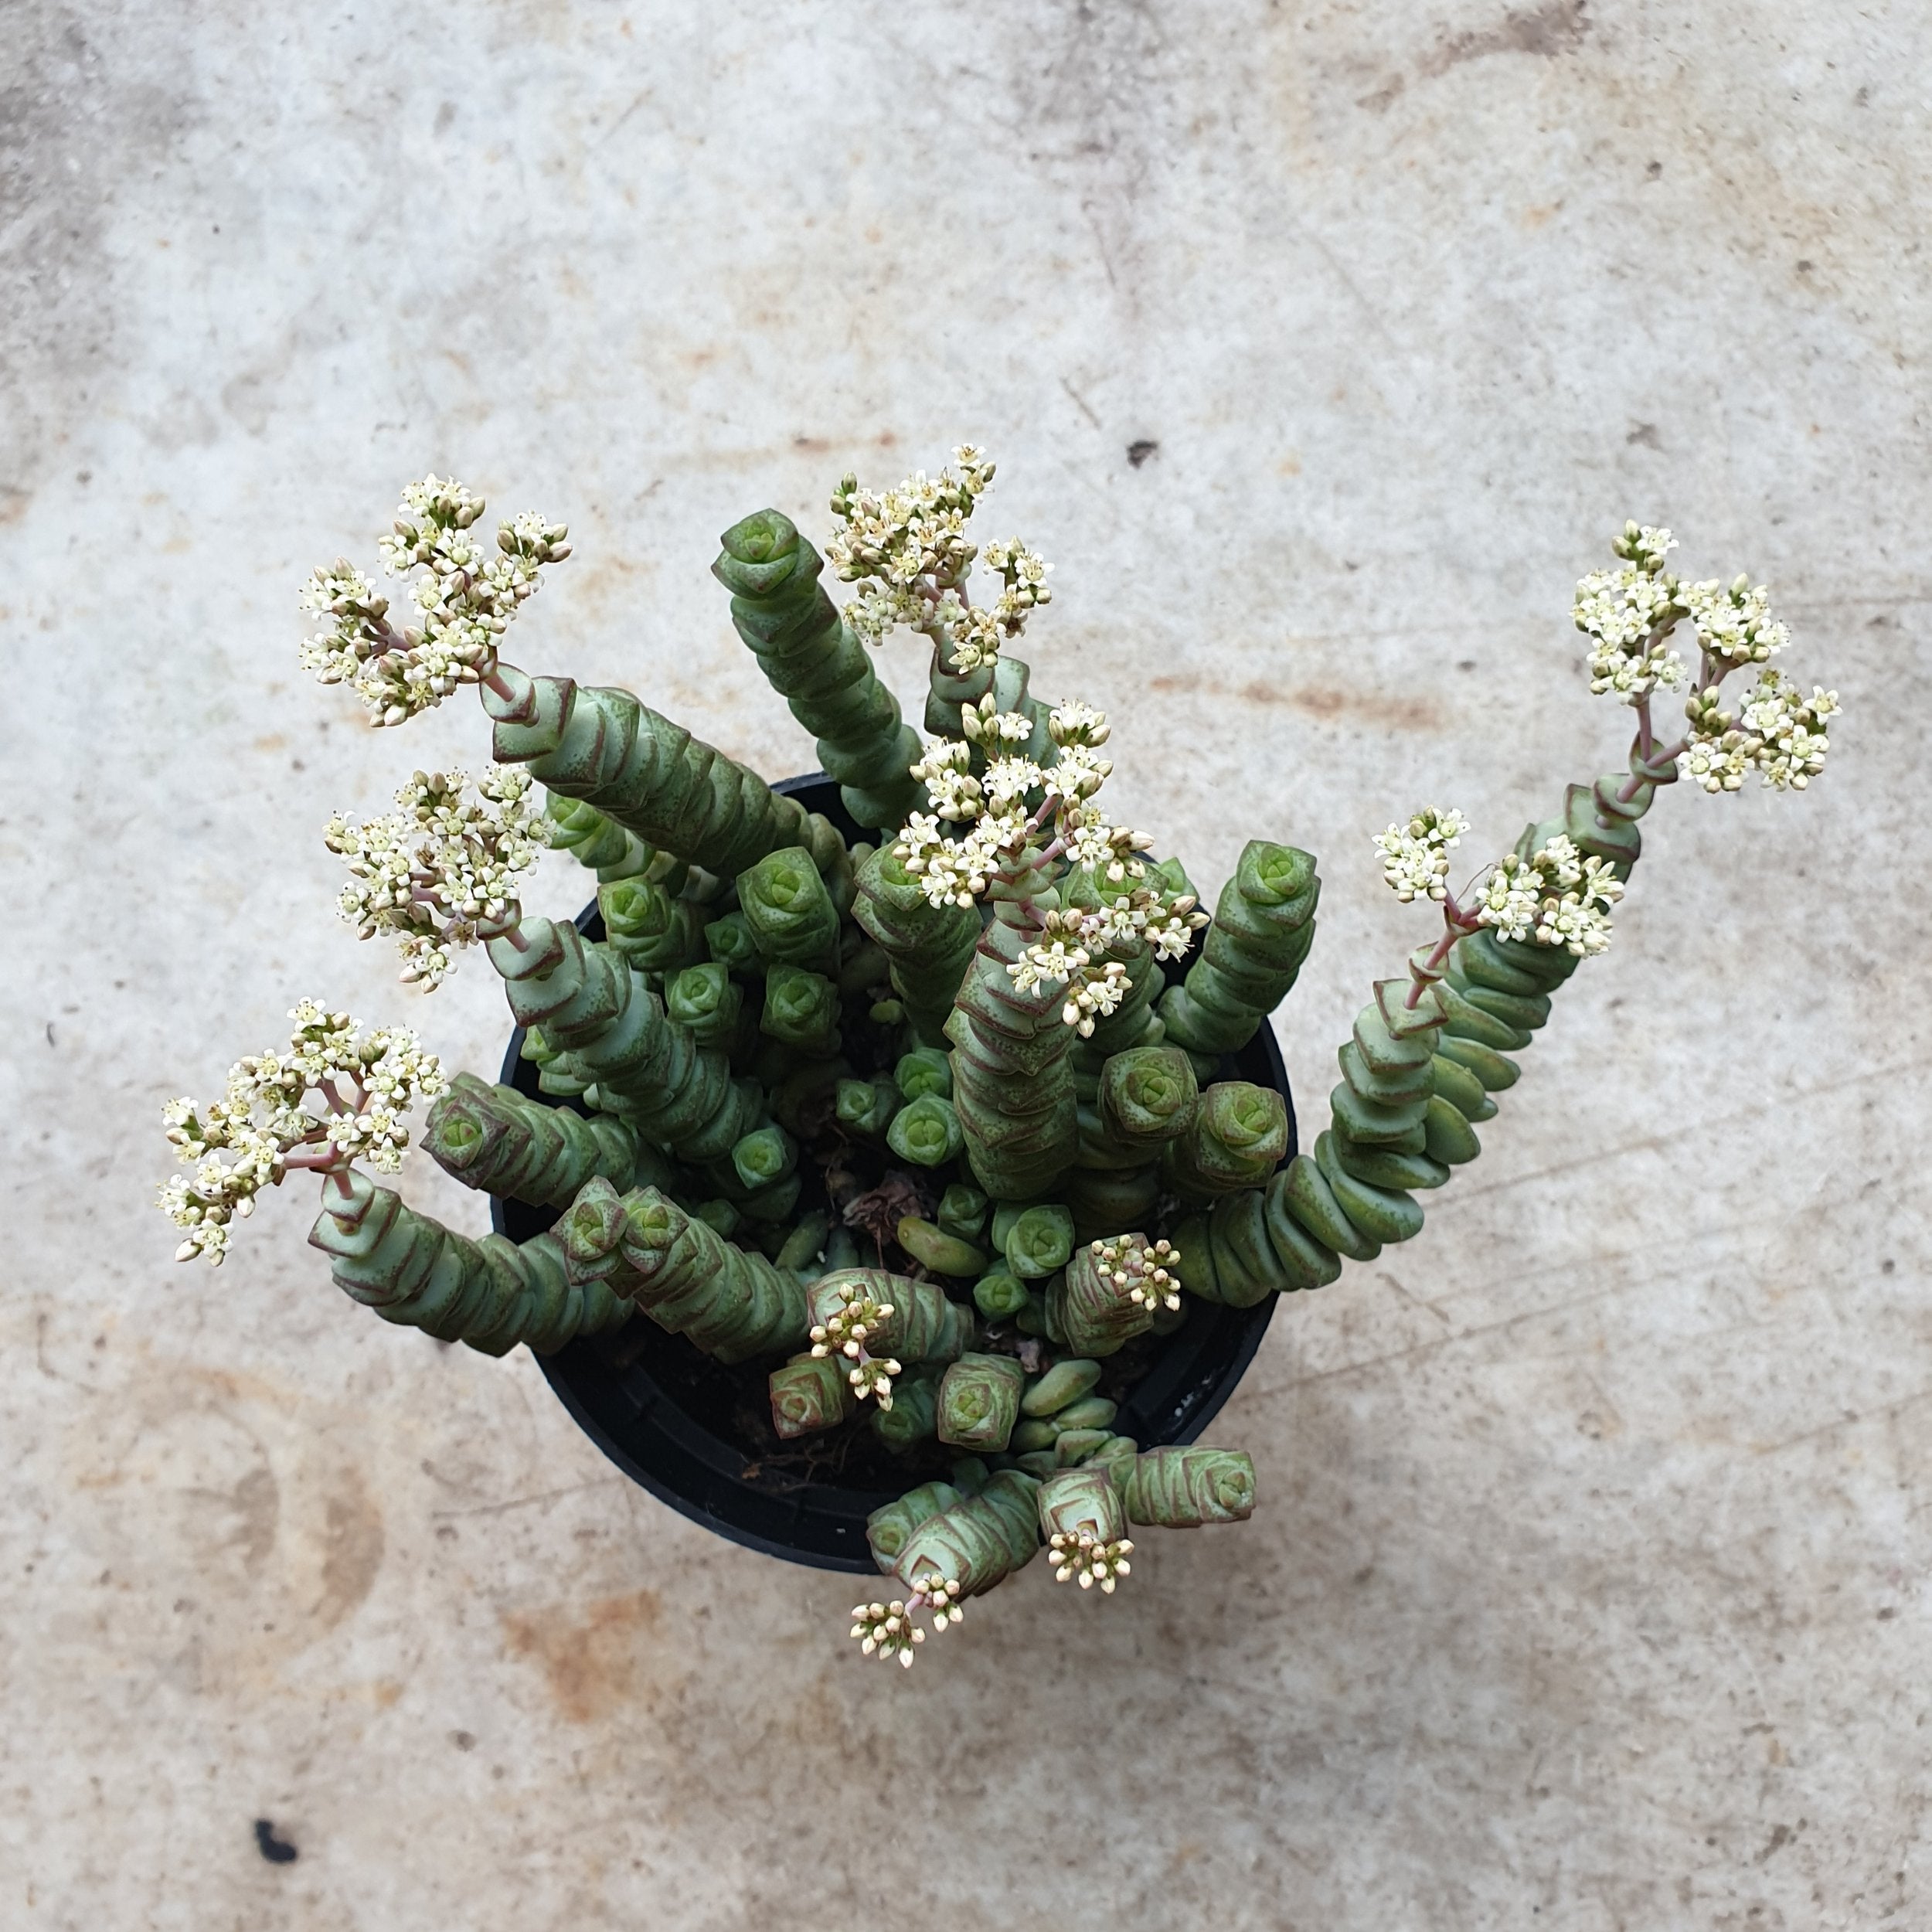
{"x": 1080, "y": 771}
{"x": 1734, "y": 621}
{"x": 845, "y": 1332}
{"x": 465, "y": 600}
{"x": 239, "y": 1144}
{"x": 1077, "y": 724}
{"x": 989, "y": 728}
{"x": 442, "y": 871}
{"x": 1008, "y": 781}
{"x": 1080, "y": 1555}
{"x": 1776, "y": 732}
{"x": 1628, "y": 615}
{"x": 886, "y": 1631}
{"x": 941, "y": 1594}
{"x": 1415, "y": 856}
{"x": 996, "y": 832}
{"x": 1558, "y": 897}
{"x": 1148, "y": 1274}
{"x": 907, "y": 551}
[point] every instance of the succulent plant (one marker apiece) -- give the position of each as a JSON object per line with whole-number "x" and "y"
{"x": 924, "y": 1132}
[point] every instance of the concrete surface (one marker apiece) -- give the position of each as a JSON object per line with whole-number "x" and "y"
{"x": 1589, "y": 1587}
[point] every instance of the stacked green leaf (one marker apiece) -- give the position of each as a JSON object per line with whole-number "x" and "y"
{"x": 928, "y": 947}
{"x": 1013, "y": 1084}
{"x": 490, "y": 1294}
{"x": 589, "y": 1003}
{"x": 689, "y": 1279}
{"x": 647, "y": 927}
{"x": 977, "y": 1542}
{"x": 494, "y": 1139}
{"x": 650, "y": 776}
{"x": 813, "y": 661}
{"x": 1264, "y": 925}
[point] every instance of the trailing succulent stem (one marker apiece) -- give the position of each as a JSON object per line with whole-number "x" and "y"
{"x": 926, "y": 947}
{"x": 687, "y": 1278}
{"x": 647, "y": 775}
{"x": 1263, "y": 927}
{"x": 489, "y": 1294}
{"x": 589, "y": 1003}
{"x": 494, "y": 1139}
{"x": 815, "y": 663}
{"x": 965, "y": 1056}
{"x": 1017, "y": 1106}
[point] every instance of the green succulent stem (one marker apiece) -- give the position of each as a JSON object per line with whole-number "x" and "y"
{"x": 1183, "y": 1487}
{"x": 707, "y": 1001}
{"x": 647, "y": 775}
{"x": 1236, "y": 1138}
{"x": 925, "y": 1131}
{"x": 1013, "y": 1077}
{"x": 1264, "y": 925}
{"x": 789, "y": 909}
{"x": 890, "y": 1528}
{"x": 1417, "y": 1074}
{"x": 979, "y": 1400}
{"x": 648, "y": 927}
{"x": 612, "y": 853}
{"x": 589, "y": 1003}
{"x": 1090, "y": 1310}
{"x": 925, "y": 1325}
{"x": 913, "y": 1417}
{"x": 978, "y": 1541}
{"x": 490, "y": 1294}
{"x": 927, "y": 948}
{"x": 494, "y": 1139}
{"x": 813, "y": 661}
{"x": 687, "y": 1278}
{"x": 1072, "y": 1501}
{"x": 809, "y": 1393}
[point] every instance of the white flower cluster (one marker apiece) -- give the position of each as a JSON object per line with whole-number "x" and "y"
{"x": 466, "y": 599}
{"x": 886, "y": 1630}
{"x": 1415, "y": 857}
{"x": 442, "y": 872}
{"x": 1776, "y": 733}
{"x": 1147, "y": 1274}
{"x": 240, "y": 1144}
{"x": 1628, "y": 615}
{"x": 1079, "y": 1553}
{"x": 1734, "y": 622}
{"x": 907, "y": 550}
{"x": 1001, "y": 821}
{"x": 844, "y": 1332}
{"x": 360, "y": 631}
{"x": 1095, "y": 988}
{"x": 1557, "y": 897}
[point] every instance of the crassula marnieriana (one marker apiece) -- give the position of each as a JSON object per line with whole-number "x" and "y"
{"x": 926, "y": 1130}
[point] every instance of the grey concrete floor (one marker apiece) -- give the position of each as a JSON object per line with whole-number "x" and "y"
{"x": 1589, "y": 1588}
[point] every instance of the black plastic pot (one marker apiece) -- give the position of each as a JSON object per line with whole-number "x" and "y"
{"x": 629, "y": 1391}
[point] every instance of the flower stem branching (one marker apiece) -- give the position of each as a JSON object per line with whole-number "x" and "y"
{"x": 465, "y": 594}
{"x": 441, "y": 873}
{"x": 1020, "y": 820}
{"x": 262, "y": 1128}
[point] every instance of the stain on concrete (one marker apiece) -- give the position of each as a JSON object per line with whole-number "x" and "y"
{"x": 1325, "y": 701}
{"x": 352, "y": 1554}
{"x": 590, "y": 1657}
{"x": 1545, "y": 32}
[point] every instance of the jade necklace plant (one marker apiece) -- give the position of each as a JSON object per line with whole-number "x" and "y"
{"x": 927, "y": 1131}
